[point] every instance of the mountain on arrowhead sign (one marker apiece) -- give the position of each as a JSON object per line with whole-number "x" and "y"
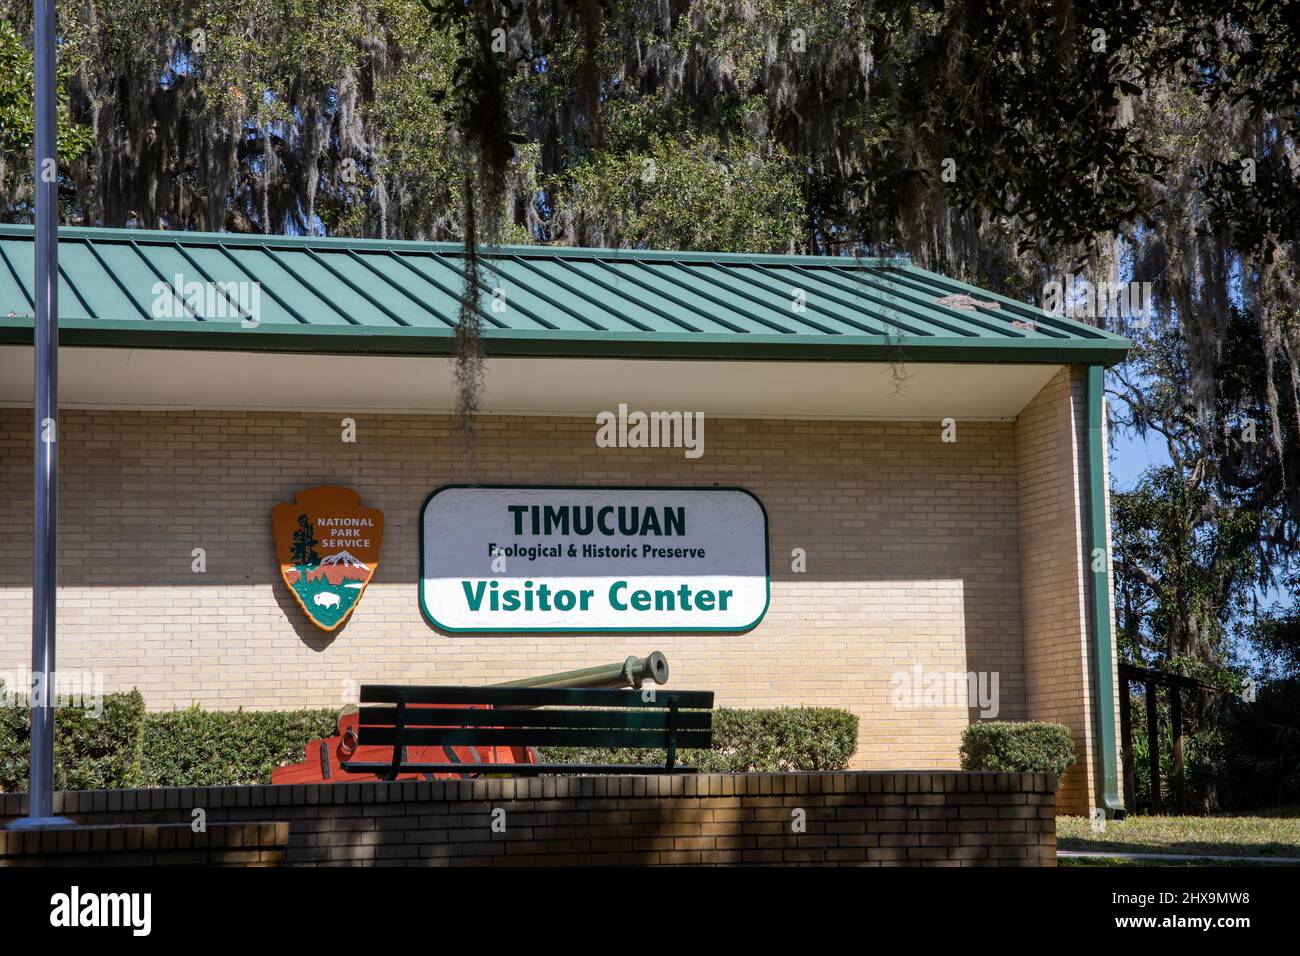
{"x": 327, "y": 547}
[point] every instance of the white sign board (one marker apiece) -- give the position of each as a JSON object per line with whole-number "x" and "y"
{"x": 525, "y": 558}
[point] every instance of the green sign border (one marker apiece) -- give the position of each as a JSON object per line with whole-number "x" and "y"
{"x": 767, "y": 564}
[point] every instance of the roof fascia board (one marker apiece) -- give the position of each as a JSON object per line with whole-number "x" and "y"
{"x": 231, "y": 336}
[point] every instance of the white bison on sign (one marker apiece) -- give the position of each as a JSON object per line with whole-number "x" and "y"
{"x": 326, "y": 599}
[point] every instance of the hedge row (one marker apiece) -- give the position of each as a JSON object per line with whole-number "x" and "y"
{"x": 200, "y": 748}
{"x": 90, "y": 752}
{"x": 750, "y": 741}
{"x": 1010, "y": 747}
{"x": 128, "y": 747}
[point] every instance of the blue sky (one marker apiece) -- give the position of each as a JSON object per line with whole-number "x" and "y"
{"x": 1130, "y": 456}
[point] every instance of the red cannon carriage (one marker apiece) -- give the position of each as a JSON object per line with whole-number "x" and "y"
{"x": 324, "y": 757}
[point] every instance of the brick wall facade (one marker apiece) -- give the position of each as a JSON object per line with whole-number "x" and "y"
{"x": 871, "y": 819}
{"x": 949, "y": 556}
{"x": 1052, "y": 464}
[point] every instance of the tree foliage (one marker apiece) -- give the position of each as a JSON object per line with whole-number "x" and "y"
{"x": 1006, "y": 142}
{"x": 17, "y": 77}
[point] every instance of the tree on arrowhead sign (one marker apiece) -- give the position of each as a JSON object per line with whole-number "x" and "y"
{"x": 327, "y": 547}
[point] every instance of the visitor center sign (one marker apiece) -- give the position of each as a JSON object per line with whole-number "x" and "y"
{"x": 519, "y": 558}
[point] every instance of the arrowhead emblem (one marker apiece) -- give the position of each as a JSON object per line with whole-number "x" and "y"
{"x": 327, "y": 547}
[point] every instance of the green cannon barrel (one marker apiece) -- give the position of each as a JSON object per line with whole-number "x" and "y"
{"x": 628, "y": 673}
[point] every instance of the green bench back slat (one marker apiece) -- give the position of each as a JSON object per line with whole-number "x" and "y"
{"x": 527, "y": 736}
{"x": 533, "y": 717}
{"x": 540, "y": 718}
{"x": 533, "y": 696}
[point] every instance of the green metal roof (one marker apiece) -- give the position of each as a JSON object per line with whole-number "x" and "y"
{"x": 379, "y": 297}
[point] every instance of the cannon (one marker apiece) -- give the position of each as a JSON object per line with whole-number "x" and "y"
{"x": 325, "y": 756}
{"x": 630, "y": 673}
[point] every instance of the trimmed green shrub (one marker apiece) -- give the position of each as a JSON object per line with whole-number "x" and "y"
{"x": 90, "y": 752}
{"x": 126, "y": 747}
{"x": 1010, "y": 747}
{"x": 764, "y": 740}
{"x": 199, "y": 748}
{"x": 214, "y": 748}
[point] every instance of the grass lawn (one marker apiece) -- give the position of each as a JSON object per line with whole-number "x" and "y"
{"x": 1122, "y": 861}
{"x": 1267, "y": 833}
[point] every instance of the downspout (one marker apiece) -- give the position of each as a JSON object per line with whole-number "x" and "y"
{"x": 1099, "y": 559}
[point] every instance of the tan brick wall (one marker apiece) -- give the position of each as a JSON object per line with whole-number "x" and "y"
{"x": 850, "y": 819}
{"x": 913, "y": 558}
{"x": 1052, "y": 463}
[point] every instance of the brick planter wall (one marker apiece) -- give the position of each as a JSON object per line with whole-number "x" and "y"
{"x": 873, "y": 819}
{"x": 146, "y": 844}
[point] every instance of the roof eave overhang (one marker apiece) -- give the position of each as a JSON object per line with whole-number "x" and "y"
{"x": 351, "y": 340}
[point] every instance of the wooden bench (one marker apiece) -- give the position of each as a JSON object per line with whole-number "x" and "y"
{"x": 402, "y": 717}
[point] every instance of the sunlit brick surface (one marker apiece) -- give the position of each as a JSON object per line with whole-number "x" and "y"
{"x": 961, "y": 556}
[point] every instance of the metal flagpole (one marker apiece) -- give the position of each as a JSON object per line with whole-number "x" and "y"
{"x": 41, "y": 793}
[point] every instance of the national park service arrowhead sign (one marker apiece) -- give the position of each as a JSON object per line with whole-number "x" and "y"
{"x": 327, "y": 547}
